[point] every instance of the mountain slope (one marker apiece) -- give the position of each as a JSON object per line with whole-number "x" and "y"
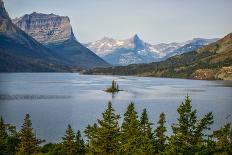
{"x": 20, "y": 52}
{"x": 213, "y": 61}
{"x": 55, "y": 32}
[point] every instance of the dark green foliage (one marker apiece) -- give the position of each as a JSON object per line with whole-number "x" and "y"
{"x": 188, "y": 137}
{"x": 3, "y": 137}
{"x": 134, "y": 137}
{"x": 80, "y": 144}
{"x": 8, "y": 138}
{"x": 131, "y": 132}
{"x": 160, "y": 138}
{"x": 146, "y": 136}
{"x": 224, "y": 140}
{"x": 69, "y": 141}
{"x": 104, "y": 138}
{"x": 52, "y": 149}
{"x": 114, "y": 88}
{"x": 28, "y": 142}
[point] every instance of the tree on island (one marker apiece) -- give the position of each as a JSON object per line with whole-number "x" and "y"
{"x": 114, "y": 88}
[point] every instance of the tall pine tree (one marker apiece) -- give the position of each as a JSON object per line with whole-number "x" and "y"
{"x": 80, "y": 144}
{"x": 159, "y": 136}
{"x": 131, "y": 133}
{"x": 69, "y": 145}
{"x": 105, "y": 139}
{"x": 146, "y": 136}
{"x": 3, "y": 137}
{"x": 189, "y": 135}
{"x": 28, "y": 143}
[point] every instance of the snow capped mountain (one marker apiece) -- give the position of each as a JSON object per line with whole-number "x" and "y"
{"x": 124, "y": 52}
{"x": 135, "y": 50}
{"x": 189, "y": 46}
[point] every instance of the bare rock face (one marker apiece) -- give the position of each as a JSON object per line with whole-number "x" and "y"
{"x": 55, "y": 32}
{"x": 46, "y": 28}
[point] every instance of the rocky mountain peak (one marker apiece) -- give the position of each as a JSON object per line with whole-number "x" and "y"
{"x": 3, "y": 12}
{"x": 138, "y": 43}
{"x": 46, "y": 28}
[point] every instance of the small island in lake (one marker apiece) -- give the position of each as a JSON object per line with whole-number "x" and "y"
{"x": 114, "y": 88}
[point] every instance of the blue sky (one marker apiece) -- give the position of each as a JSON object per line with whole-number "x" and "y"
{"x": 155, "y": 21}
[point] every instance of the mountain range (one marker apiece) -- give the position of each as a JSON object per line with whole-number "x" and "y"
{"x": 212, "y": 61}
{"x": 134, "y": 50}
{"x": 42, "y": 42}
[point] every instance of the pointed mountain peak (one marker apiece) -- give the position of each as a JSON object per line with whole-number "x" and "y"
{"x": 136, "y": 36}
{"x": 3, "y": 13}
{"x": 138, "y": 43}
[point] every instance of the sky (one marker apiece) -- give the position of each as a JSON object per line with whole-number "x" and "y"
{"x": 155, "y": 21}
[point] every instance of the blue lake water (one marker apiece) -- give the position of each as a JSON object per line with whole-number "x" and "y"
{"x": 55, "y": 100}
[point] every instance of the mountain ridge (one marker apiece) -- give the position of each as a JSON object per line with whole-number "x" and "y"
{"x": 135, "y": 50}
{"x": 210, "y": 62}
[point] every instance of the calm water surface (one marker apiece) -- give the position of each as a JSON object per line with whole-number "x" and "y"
{"x": 56, "y": 99}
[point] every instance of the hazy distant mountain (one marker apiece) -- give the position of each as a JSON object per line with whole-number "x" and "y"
{"x": 135, "y": 51}
{"x": 55, "y": 32}
{"x": 20, "y": 52}
{"x": 212, "y": 61}
{"x": 124, "y": 52}
{"x": 188, "y": 46}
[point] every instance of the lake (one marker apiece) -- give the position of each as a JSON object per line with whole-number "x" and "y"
{"x": 55, "y": 100}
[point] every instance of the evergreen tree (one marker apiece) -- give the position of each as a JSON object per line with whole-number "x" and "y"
{"x": 113, "y": 85}
{"x": 189, "y": 135}
{"x": 28, "y": 142}
{"x": 3, "y": 137}
{"x": 80, "y": 143}
{"x": 105, "y": 138}
{"x": 131, "y": 133}
{"x": 160, "y": 137}
{"x": 69, "y": 141}
{"x": 223, "y": 140}
{"x": 12, "y": 139}
{"x": 90, "y": 135}
{"x": 146, "y": 136}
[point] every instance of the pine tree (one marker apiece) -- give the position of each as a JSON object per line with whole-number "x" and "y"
{"x": 160, "y": 137}
{"x": 113, "y": 85}
{"x": 189, "y": 135}
{"x": 28, "y": 142}
{"x": 131, "y": 133}
{"x": 90, "y": 135}
{"x": 12, "y": 139}
{"x": 105, "y": 139}
{"x": 146, "y": 136}
{"x": 3, "y": 137}
{"x": 223, "y": 140}
{"x": 69, "y": 141}
{"x": 80, "y": 144}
